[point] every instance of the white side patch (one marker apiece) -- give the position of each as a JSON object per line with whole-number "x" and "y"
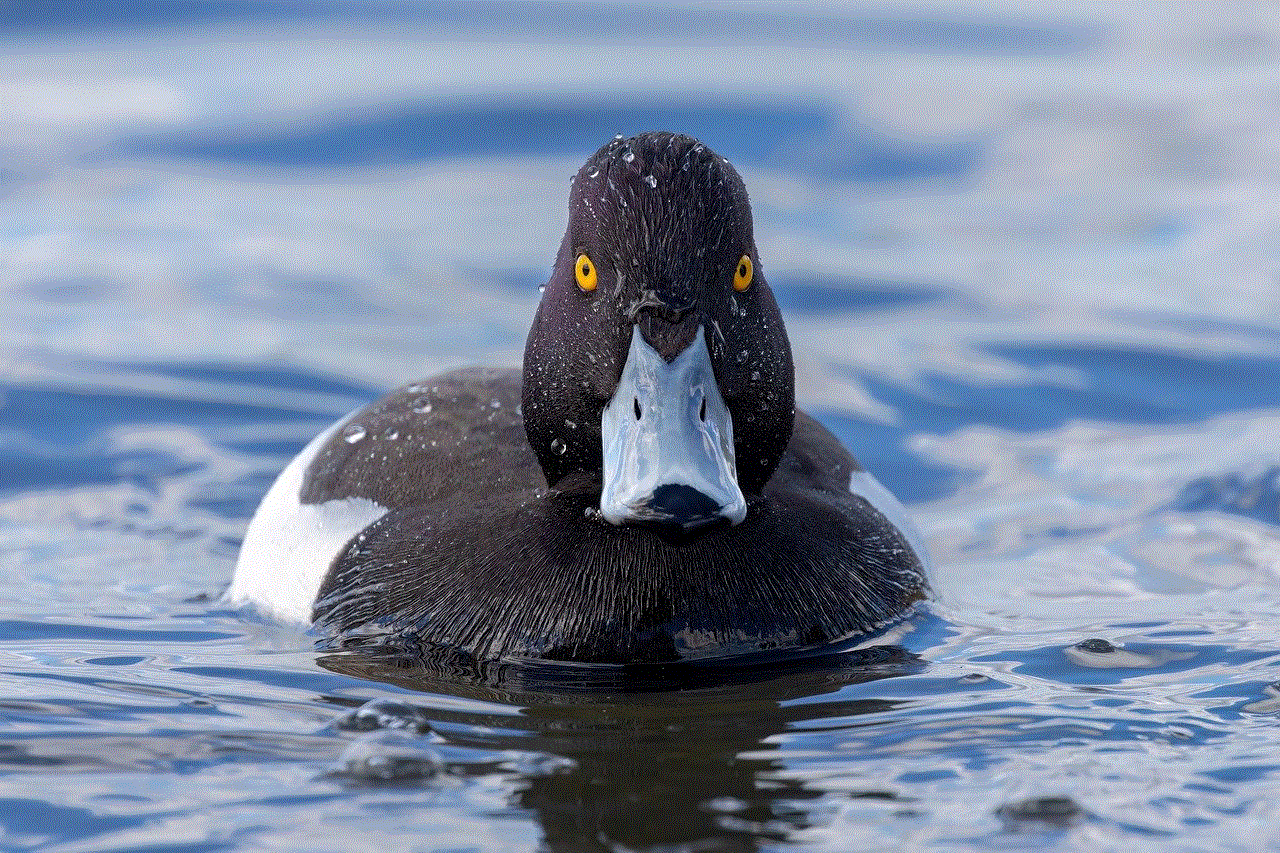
{"x": 867, "y": 487}
{"x": 289, "y": 546}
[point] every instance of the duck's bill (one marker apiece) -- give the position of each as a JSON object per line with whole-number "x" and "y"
{"x": 668, "y": 443}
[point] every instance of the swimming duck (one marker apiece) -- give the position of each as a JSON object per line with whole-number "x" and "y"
{"x": 646, "y": 491}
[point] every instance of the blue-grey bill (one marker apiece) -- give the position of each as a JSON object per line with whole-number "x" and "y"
{"x": 668, "y": 426}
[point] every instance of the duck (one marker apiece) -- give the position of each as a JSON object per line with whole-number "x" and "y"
{"x": 644, "y": 490}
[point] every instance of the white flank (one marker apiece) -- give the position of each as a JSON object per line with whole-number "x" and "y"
{"x": 289, "y": 546}
{"x": 867, "y": 487}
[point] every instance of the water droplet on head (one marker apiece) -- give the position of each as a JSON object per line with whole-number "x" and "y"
{"x": 391, "y": 433}
{"x": 352, "y": 433}
{"x": 628, "y": 156}
{"x": 594, "y": 174}
{"x": 558, "y": 447}
{"x": 651, "y": 180}
{"x": 422, "y": 406}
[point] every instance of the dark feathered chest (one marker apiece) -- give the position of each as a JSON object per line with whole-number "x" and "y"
{"x": 539, "y": 578}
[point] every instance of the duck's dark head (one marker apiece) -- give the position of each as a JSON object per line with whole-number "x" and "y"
{"x": 658, "y": 366}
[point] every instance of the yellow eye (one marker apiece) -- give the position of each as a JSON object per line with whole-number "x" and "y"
{"x": 743, "y": 274}
{"x": 586, "y": 272}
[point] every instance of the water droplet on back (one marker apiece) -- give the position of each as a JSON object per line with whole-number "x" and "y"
{"x": 558, "y": 447}
{"x": 422, "y": 406}
{"x": 353, "y": 433}
{"x": 651, "y": 180}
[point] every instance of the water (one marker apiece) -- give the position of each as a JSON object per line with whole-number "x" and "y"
{"x": 1029, "y": 264}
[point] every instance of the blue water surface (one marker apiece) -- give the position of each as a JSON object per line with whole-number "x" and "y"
{"x": 1028, "y": 262}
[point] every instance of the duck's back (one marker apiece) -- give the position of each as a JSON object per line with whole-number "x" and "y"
{"x": 457, "y": 438}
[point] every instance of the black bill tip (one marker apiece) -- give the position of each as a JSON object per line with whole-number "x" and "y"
{"x": 680, "y": 508}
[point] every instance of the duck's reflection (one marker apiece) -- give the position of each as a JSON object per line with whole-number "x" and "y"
{"x": 664, "y": 758}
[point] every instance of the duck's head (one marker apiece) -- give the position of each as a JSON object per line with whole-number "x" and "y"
{"x": 658, "y": 366}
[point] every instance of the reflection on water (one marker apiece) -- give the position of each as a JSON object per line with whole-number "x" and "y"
{"x": 656, "y": 758}
{"x": 1028, "y": 265}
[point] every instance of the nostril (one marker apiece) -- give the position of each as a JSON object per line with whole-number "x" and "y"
{"x": 702, "y": 411}
{"x": 635, "y": 402}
